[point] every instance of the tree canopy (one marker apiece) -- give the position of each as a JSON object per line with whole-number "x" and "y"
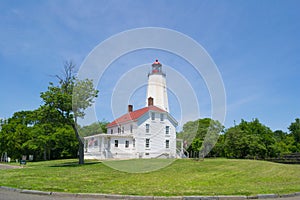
{"x": 51, "y": 131}
{"x": 246, "y": 140}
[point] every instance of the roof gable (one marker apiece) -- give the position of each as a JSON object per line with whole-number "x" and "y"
{"x": 134, "y": 115}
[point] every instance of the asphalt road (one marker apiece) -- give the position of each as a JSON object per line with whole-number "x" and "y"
{"x": 16, "y": 195}
{"x": 13, "y": 195}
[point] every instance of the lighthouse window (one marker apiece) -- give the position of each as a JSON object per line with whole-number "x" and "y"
{"x": 161, "y": 117}
{"x": 152, "y": 116}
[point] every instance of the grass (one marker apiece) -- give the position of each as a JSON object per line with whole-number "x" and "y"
{"x": 138, "y": 165}
{"x": 182, "y": 177}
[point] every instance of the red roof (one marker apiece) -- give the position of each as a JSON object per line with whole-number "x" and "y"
{"x": 131, "y": 116}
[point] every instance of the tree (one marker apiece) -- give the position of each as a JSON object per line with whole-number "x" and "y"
{"x": 201, "y": 135}
{"x": 279, "y": 135}
{"x": 294, "y": 128}
{"x": 94, "y": 128}
{"x": 82, "y": 98}
{"x": 15, "y": 132}
{"x": 235, "y": 144}
{"x": 250, "y": 140}
{"x": 218, "y": 150}
{"x": 68, "y": 101}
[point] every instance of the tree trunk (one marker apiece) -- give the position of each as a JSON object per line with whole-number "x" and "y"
{"x": 45, "y": 153}
{"x": 81, "y": 152}
{"x": 81, "y": 144}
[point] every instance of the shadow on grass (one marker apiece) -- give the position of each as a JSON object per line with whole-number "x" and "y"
{"x": 75, "y": 164}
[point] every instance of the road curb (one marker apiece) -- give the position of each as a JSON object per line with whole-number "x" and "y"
{"x": 35, "y": 192}
{"x": 10, "y": 189}
{"x": 268, "y": 196}
{"x": 111, "y": 196}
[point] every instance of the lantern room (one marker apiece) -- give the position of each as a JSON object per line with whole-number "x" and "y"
{"x": 156, "y": 68}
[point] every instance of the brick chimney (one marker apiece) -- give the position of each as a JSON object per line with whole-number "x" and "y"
{"x": 150, "y": 101}
{"x": 130, "y": 108}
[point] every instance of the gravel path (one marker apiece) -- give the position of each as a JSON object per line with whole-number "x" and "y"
{"x": 5, "y": 166}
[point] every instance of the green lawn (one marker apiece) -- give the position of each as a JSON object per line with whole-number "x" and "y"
{"x": 182, "y": 177}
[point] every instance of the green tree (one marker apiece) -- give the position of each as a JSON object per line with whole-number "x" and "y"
{"x": 235, "y": 143}
{"x": 201, "y": 135}
{"x": 94, "y": 128}
{"x": 294, "y": 128}
{"x": 69, "y": 100}
{"x": 65, "y": 143}
{"x": 15, "y": 132}
{"x": 279, "y": 135}
{"x": 219, "y": 148}
{"x": 250, "y": 140}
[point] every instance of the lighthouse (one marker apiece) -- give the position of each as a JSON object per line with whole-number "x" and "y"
{"x": 148, "y": 132}
{"x": 157, "y": 87}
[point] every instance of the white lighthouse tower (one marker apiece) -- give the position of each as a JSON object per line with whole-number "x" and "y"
{"x": 157, "y": 87}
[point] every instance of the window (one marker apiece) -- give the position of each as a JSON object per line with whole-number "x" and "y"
{"x": 147, "y": 128}
{"x": 167, "y": 144}
{"x": 167, "y": 130}
{"x": 122, "y": 129}
{"x": 116, "y": 143}
{"x": 161, "y": 117}
{"x": 119, "y": 130}
{"x": 133, "y": 142}
{"x": 126, "y": 144}
{"x": 91, "y": 141}
{"x": 131, "y": 128}
{"x": 111, "y": 131}
{"x": 147, "y": 143}
{"x": 152, "y": 116}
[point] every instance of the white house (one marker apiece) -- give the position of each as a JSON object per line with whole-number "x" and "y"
{"x": 149, "y": 132}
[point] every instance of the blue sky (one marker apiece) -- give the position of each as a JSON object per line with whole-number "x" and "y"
{"x": 255, "y": 45}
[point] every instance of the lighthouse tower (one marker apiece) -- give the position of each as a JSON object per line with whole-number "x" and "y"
{"x": 157, "y": 88}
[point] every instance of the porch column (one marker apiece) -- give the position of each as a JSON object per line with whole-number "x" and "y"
{"x": 102, "y": 146}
